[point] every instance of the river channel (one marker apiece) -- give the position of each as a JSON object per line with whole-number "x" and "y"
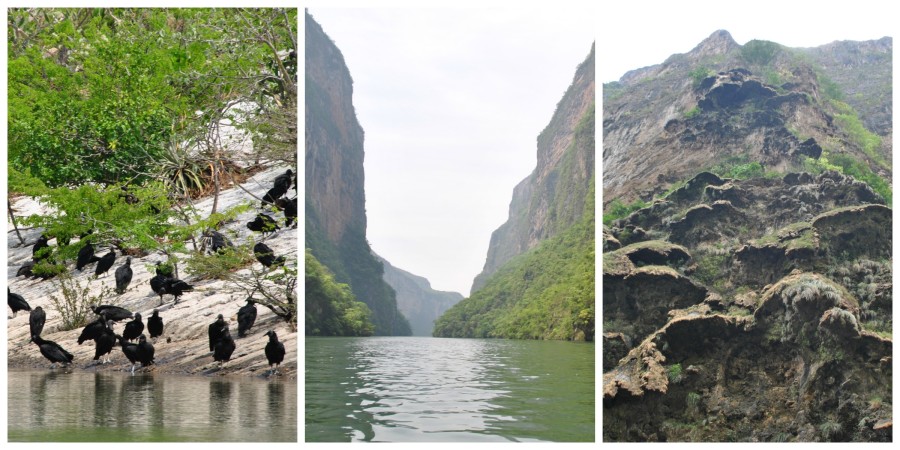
{"x": 415, "y": 389}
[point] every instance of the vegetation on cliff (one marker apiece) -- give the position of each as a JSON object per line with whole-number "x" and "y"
{"x": 545, "y": 293}
{"x": 746, "y": 285}
{"x": 331, "y": 308}
{"x": 335, "y": 216}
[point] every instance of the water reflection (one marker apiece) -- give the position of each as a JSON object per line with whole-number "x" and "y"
{"x": 427, "y": 389}
{"x": 54, "y": 406}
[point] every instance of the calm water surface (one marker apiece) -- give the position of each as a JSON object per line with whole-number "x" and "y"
{"x": 54, "y": 406}
{"x": 429, "y": 389}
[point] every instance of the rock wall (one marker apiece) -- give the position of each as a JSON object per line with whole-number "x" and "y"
{"x": 335, "y": 183}
{"x": 722, "y": 101}
{"x": 334, "y": 139}
{"x": 417, "y": 300}
{"x": 553, "y": 196}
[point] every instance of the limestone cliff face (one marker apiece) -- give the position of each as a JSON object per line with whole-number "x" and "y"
{"x": 760, "y": 101}
{"x": 760, "y": 254}
{"x": 417, "y": 300}
{"x": 553, "y": 196}
{"x": 334, "y": 139}
{"x": 335, "y": 197}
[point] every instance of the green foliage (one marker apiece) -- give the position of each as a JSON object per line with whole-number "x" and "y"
{"x": 545, "y": 293}
{"x": 868, "y": 142}
{"x": 691, "y": 113}
{"x": 830, "y": 89}
{"x": 760, "y": 52}
{"x": 219, "y": 265}
{"x": 710, "y": 268}
{"x": 104, "y": 211}
{"x": 745, "y": 171}
{"x": 692, "y": 400}
{"x": 74, "y": 306}
{"x": 97, "y": 94}
{"x": 674, "y": 373}
{"x": 698, "y": 74}
{"x": 740, "y": 167}
{"x": 851, "y": 166}
{"x": 331, "y": 308}
{"x": 830, "y": 429}
{"x": 617, "y": 210}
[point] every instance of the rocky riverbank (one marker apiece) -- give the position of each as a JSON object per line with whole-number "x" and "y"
{"x": 184, "y": 347}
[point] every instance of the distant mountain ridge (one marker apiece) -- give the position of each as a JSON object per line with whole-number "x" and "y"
{"x": 416, "y": 299}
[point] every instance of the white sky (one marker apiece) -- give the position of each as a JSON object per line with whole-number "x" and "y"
{"x": 451, "y": 101}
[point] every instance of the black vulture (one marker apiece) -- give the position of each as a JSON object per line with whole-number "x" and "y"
{"x": 218, "y": 241}
{"x": 105, "y": 263}
{"x": 158, "y": 283}
{"x": 223, "y": 349}
{"x": 272, "y": 196}
{"x": 86, "y": 256}
{"x": 283, "y": 181}
{"x": 123, "y": 276}
{"x": 93, "y": 330}
{"x": 53, "y": 351}
{"x": 16, "y": 302}
{"x": 145, "y": 351}
{"x": 266, "y": 256}
{"x": 246, "y": 317}
{"x": 274, "y": 351}
{"x": 263, "y": 223}
{"x": 26, "y": 270}
{"x": 176, "y": 287}
{"x": 114, "y": 313}
{"x": 289, "y": 206}
{"x": 130, "y": 350}
{"x": 217, "y": 329}
{"x": 155, "y": 324}
{"x": 104, "y": 345}
{"x": 134, "y": 328}
{"x": 36, "y": 321}
{"x": 41, "y": 244}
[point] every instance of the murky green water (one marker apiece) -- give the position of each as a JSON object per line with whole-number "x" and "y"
{"x": 54, "y": 406}
{"x": 429, "y": 389}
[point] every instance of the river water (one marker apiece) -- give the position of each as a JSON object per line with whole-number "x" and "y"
{"x": 392, "y": 389}
{"x": 54, "y": 406}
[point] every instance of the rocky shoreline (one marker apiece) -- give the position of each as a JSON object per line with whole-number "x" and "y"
{"x": 184, "y": 347}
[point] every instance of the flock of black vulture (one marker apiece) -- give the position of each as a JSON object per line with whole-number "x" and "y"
{"x": 101, "y": 330}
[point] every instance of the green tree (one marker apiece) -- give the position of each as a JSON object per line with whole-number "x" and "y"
{"x": 331, "y": 308}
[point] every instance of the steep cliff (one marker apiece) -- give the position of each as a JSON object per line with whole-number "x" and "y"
{"x": 761, "y": 102}
{"x": 418, "y": 302}
{"x": 552, "y": 198}
{"x": 335, "y": 197}
{"x": 747, "y": 252}
{"x": 538, "y": 281}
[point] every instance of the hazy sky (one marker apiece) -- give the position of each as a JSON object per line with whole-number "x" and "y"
{"x": 451, "y": 101}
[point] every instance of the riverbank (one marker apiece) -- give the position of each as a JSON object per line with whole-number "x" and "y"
{"x": 184, "y": 346}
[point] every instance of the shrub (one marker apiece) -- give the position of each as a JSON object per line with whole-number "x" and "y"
{"x": 617, "y": 210}
{"x": 759, "y": 52}
{"x": 74, "y": 307}
{"x": 674, "y": 372}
